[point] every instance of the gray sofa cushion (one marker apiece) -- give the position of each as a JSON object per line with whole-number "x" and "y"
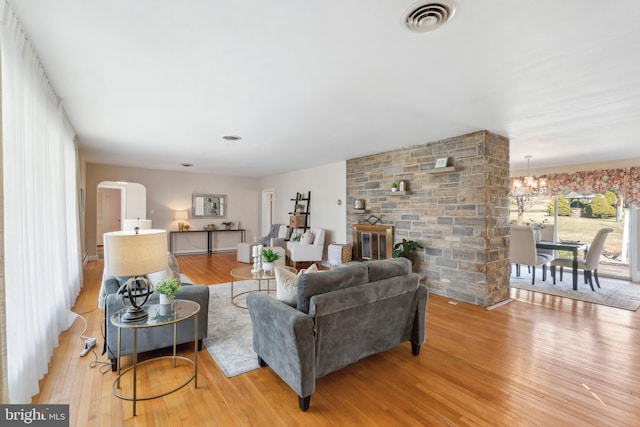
{"x": 326, "y": 281}
{"x": 384, "y": 269}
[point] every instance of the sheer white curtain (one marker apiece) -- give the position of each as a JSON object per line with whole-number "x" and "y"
{"x": 43, "y": 269}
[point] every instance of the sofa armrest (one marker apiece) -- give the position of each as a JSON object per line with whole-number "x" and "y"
{"x": 279, "y": 242}
{"x": 284, "y": 338}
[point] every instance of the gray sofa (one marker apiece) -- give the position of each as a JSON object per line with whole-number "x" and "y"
{"x": 342, "y": 316}
{"x": 152, "y": 338}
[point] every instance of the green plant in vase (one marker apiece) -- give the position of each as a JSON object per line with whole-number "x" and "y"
{"x": 227, "y": 224}
{"x": 405, "y": 249}
{"x": 269, "y": 258}
{"x": 167, "y": 289}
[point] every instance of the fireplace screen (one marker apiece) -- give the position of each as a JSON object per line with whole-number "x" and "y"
{"x": 372, "y": 241}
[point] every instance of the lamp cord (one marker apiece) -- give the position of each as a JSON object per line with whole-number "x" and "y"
{"x": 94, "y": 362}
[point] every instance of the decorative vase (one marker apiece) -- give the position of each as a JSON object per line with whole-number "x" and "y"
{"x": 537, "y": 234}
{"x": 401, "y": 186}
{"x": 164, "y": 309}
{"x": 165, "y": 299}
{"x": 267, "y": 266}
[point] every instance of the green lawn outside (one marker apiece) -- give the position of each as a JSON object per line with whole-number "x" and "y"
{"x": 577, "y": 228}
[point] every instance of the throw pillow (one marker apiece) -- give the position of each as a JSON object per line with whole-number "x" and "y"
{"x": 159, "y": 276}
{"x": 172, "y": 262}
{"x": 307, "y": 237}
{"x": 287, "y": 284}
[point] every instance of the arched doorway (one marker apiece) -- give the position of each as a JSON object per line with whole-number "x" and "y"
{"x": 115, "y": 202}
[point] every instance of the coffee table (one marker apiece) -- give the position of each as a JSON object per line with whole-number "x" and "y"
{"x": 244, "y": 273}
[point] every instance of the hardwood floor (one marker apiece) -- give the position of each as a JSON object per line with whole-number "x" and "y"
{"x": 540, "y": 360}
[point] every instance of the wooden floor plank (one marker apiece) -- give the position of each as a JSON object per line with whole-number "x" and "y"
{"x": 540, "y": 360}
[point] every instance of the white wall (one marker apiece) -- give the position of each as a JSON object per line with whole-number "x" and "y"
{"x": 169, "y": 191}
{"x": 328, "y": 185}
{"x": 136, "y": 200}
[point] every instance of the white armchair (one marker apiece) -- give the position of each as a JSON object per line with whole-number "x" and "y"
{"x": 276, "y": 237}
{"x": 302, "y": 252}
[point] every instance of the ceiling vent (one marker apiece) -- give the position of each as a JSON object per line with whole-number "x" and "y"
{"x": 423, "y": 16}
{"x": 231, "y": 137}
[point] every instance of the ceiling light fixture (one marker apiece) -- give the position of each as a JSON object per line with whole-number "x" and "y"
{"x": 530, "y": 186}
{"x": 524, "y": 191}
{"x": 186, "y": 165}
{"x": 424, "y": 16}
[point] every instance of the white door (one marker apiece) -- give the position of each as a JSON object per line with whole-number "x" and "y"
{"x": 268, "y": 211}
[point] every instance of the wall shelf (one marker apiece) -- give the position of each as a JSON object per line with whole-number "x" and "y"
{"x": 399, "y": 193}
{"x": 443, "y": 170}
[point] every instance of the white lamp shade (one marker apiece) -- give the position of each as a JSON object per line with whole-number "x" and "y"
{"x": 131, "y": 224}
{"x": 131, "y": 254}
{"x": 181, "y": 215}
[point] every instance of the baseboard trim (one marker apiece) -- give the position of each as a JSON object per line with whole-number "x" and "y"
{"x": 500, "y": 304}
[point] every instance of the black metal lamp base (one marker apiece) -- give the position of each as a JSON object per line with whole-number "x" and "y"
{"x": 137, "y": 290}
{"x": 133, "y": 314}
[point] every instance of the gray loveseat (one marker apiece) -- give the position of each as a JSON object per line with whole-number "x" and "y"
{"x": 342, "y": 316}
{"x": 152, "y": 338}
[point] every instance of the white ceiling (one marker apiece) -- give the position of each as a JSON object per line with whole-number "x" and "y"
{"x": 155, "y": 83}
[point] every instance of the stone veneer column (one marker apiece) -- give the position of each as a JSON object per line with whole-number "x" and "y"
{"x": 461, "y": 217}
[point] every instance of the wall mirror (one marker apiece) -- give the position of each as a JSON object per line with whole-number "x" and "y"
{"x": 208, "y": 205}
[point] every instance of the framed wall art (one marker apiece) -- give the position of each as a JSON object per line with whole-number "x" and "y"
{"x": 441, "y": 162}
{"x": 208, "y": 205}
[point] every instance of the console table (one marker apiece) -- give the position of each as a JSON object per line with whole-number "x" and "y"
{"x": 242, "y": 232}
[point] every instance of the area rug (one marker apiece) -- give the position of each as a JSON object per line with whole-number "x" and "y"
{"x": 229, "y": 339}
{"x": 612, "y": 292}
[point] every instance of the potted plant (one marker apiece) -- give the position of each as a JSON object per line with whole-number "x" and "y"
{"x": 405, "y": 249}
{"x": 269, "y": 257}
{"x": 167, "y": 289}
{"x": 394, "y": 186}
{"x": 227, "y": 225}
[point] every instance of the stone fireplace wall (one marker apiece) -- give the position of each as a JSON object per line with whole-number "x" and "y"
{"x": 460, "y": 214}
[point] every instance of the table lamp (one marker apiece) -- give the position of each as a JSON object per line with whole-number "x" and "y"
{"x": 135, "y": 253}
{"x": 181, "y": 216}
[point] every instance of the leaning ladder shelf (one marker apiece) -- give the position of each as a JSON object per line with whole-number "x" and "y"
{"x": 299, "y": 218}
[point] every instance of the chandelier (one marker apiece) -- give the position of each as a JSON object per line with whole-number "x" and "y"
{"x": 528, "y": 187}
{"x": 523, "y": 192}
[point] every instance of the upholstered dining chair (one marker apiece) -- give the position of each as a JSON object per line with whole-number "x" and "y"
{"x": 589, "y": 264}
{"x": 548, "y": 235}
{"x": 523, "y": 251}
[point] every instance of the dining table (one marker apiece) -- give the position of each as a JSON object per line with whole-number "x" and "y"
{"x": 573, "y": 247}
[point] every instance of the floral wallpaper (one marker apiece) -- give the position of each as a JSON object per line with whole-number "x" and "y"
{"x": 626, "y": 182}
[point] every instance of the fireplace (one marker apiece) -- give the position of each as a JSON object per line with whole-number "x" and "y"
{"x": 372, "y": 241}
